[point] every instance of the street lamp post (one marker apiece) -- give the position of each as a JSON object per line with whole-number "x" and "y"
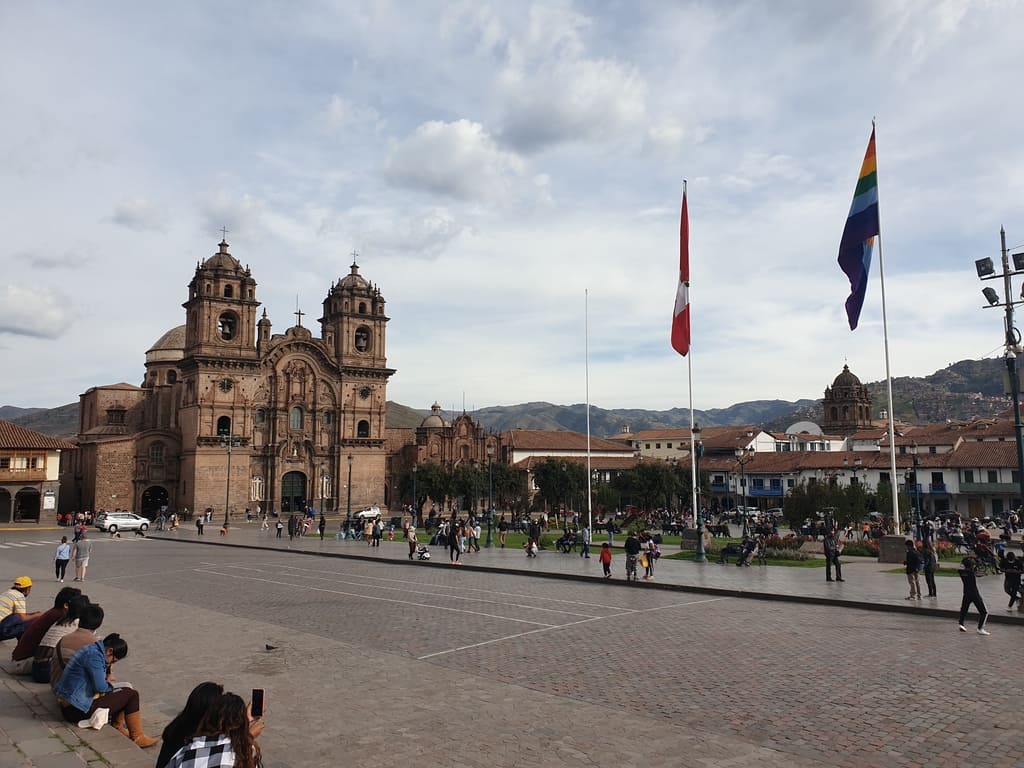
{"x": 490, "y": 495}
{"x": 743, "y": 457}
{"x": 348, "y": 503}
{"x": 227, "y": 442}
{"x": 415, "y": 504}
{"x": 323, "y": 474}
{"x": 696, "y": 450}
{"x": 1011, "y": 339}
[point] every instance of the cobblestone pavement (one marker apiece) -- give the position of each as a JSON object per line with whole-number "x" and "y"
{"x": 382, "y": 663}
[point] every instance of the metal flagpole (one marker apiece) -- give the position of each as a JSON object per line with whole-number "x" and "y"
{"x": 586, "y": 358}
{"x": 888, "y": 374}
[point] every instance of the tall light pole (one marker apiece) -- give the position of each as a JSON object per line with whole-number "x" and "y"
{"x": 227, "y": 442}
{"x": 323, "y": 474}
{"x": 490, "y": 494}
{"x": 415, "y": 504}
{"x": 348, "y": 504}
{"x": 1011, "y": 339}
{"x": 743, "y": 457}
{"x": 917, "y": 491}
{"x": 696, "y": 450}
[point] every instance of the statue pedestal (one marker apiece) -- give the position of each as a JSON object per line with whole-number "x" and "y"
{"x": 892, "y": 549}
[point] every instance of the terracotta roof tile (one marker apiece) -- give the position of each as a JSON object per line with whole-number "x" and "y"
{"x": 13, "y": 436}
{"x": 556, "y": 440}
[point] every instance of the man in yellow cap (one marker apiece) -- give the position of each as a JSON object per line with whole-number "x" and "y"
{"x": 14, "y": 615}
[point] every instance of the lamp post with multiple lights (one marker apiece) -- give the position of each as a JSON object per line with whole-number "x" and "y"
{"x": 1011, "y": 338}
{"x": 743, "y": 457}
{"x": 415, "y": 506}
{"x": 348, "y": 503}
{"x": 696, "y": 451}
{"x": 227, "y": 442}
{"x": 490, "y": 495}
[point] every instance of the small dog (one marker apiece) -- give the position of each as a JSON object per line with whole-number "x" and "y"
{"x": 223, "y": 530}
{"x": 140, "y": 533}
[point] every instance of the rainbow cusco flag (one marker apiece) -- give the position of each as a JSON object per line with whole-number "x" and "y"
{"x": 859, "y": 234}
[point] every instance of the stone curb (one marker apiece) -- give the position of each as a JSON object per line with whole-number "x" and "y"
{"x": 910, "y": 610}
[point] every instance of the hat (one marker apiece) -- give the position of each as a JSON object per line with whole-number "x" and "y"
{"x": 23, "y": 582}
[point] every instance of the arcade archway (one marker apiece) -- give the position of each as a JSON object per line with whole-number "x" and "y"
{"x": 153, "y": 498}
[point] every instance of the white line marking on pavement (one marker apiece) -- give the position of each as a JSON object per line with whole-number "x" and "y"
{"x": 513, "y": 637}
{"x": 3, "y": 546}
{"x": 570, "y": 624}
{"x": 462, "y": 588}
{"x": 37, "y": 543}
{"x": 407, "y": 590}
{"x": 372, "y": 597}
{"x": 14, "y": 544}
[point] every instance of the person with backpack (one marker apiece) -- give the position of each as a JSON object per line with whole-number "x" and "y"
{"x": 929, "y": 564}
{"x": 912, "y": 563}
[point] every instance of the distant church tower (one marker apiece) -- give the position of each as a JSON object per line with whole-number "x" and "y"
{"x": 847, "y": 405}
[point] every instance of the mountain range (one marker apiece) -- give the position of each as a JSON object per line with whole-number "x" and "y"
{"x": 961, "y": 391}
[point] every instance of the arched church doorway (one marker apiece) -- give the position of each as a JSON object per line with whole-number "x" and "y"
{"x": 293, "y": 492}
{"x": 153, "y": 499}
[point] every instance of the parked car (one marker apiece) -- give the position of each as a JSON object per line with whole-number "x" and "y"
{"x": 112, "y": 522}
{"x": 774, "y": 512}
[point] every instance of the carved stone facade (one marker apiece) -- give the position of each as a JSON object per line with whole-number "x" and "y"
{"x": 230, "y": 414}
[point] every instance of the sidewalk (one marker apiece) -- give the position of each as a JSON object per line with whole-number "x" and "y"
{"x": 866, "y": 585}
{"x": 34, "y": 735}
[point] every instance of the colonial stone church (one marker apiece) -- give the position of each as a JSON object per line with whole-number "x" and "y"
{"x": 230, "y": 413}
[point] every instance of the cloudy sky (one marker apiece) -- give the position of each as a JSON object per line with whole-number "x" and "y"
{"x": 500, "y": 167}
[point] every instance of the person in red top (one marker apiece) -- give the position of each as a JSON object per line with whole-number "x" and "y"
{"x": 606, "y": 560}
{"x": 25, "y": 650}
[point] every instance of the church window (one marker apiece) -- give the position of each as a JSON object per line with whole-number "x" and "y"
{"x": 229, "y": 291}
{"x": 295, "y": 422}
{"x": 846, "y": 413}
{"x": 115, "y": 416}
{"x": 362, "y": 307}
{"x": 328, "y": 418}
{"x": 261, "y": 416}
{"x": 209, "y": 289}
{"x": 156, "y": 453}
{"x": 363, "y": 429}
{"x": 362, "y": 339}
{"x": 227, "y": 326}
{"x": 224, "y": 425}
{"x": 835, "y": 414}
{"x": 172, "y": 377}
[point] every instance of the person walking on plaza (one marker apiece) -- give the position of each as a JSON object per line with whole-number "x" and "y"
{"x": 321, "y": 526}
{"x": 502, "y": 531}
{"x": 912, "y": 563}
{"x": 454, "y": 545}
{"x": 81, "y": 552}
{"x": 410, "y": 536}
{"x": 969, "y": 576}
{"x": 606, "y": 560}
{"x": 199, "y": 525}
{"x": 610, "y": 527}
{"x": 585, "y": 537}
{"x": 292, "y": 525}
{"x": 1011, "y": 568}
{"x": 377, "y": 531}
{"x": 929, "y": 563}
{"x": 831, "y": 546}
{"x": 61, "y": 557}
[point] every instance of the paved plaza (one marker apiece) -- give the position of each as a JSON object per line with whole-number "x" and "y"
{"x": 392, "y": 663}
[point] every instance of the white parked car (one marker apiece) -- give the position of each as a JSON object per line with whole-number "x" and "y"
{"x": 112, "y": 522}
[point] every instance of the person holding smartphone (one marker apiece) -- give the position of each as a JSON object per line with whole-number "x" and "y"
{"x": 224, "y": 737}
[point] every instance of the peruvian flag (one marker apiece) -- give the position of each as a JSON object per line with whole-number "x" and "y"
{"x": 681, "y": 313}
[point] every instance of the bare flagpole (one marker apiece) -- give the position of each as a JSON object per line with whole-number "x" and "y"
{"x": 586, "y": 357}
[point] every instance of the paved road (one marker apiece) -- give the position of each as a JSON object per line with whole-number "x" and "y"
{"x": 384, "y": 664}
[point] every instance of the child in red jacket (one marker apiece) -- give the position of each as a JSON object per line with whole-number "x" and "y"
{"x": 606, "y": 560}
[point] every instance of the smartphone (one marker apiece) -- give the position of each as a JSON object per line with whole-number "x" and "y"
{"x": 257, "y": 706}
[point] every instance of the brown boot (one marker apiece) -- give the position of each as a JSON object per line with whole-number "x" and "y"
{"x": 135, "y": 732}
{"x": 119, "y": 724}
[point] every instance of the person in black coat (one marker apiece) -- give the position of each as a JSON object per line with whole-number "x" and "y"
{"x": 969, "y": 576}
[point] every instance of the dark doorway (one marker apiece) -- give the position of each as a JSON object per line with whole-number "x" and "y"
{"x": 26, "y": 505}
{"x": 293, "y": 492}
{"x": 153, "y": 498}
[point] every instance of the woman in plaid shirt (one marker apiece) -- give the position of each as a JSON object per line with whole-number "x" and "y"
{"x": 224, "y": 739}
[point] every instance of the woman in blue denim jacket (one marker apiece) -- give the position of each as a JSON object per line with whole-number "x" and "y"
{"x": 85, "y": 687}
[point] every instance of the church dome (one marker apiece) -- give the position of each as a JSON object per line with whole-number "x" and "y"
{"x": 222, "y": 259}
{"x": 169, "y": 347}
{"x": 846, "y": 379}
{"x": 434, "y": 419}
{"x": 354, "y": 280}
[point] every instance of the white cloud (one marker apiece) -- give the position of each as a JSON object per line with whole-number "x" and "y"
{"x": 241, "y": 214}
{"x": 38, "y": 312}
{"x": 458, "y": 160}
{"x": 342, "y": 114}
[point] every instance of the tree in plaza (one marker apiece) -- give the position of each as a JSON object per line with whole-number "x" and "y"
{"x": 605, "y": 500}
{"x": 684, "y": 486}
{"x": 559, "y": 482}
{"x": 433, "y": 481}
{"x": 467, "y": 481}
{"x": 650, "y": 484}
{"x": 510, "y": 490}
